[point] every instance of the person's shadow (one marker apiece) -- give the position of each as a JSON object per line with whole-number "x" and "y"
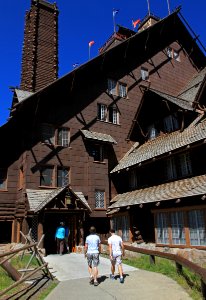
{"x": 102, "y": 278}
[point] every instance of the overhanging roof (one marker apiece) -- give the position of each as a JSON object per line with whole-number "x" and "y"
{"x": 98, "y": 136}
{"x": 163, "y": 144}
{"x": 173, "y": 190}
{"x": 38, "y": 199}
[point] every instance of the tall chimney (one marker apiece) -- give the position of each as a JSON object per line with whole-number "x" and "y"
{"x": 40, "y": 48}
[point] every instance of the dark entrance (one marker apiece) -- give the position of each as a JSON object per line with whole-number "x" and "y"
{"x": 51, "y": 222}
{"x": 5, "y": 234}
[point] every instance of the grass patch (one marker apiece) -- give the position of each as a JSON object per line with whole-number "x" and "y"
{"x": 47, "y": 291}
{"x": 189, "y": 281}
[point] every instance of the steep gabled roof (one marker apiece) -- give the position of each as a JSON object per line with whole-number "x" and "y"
{"x": 172, "y": 190}
{"x": 38, "y": 199}
{"x": 163, "y": 144}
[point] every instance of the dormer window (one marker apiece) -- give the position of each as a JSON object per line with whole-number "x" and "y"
{"x": 108, "y": 113}
{"x": 170, "y": 123}
{"x": 117, "y": 88}
{"x": 152, "y": 132}
{"x": 144, "y": 73}
{"x": 171, "y": 53}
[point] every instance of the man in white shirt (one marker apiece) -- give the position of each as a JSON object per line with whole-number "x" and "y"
{"x": 91, "y": 251}
{"x": 116, "y": 250}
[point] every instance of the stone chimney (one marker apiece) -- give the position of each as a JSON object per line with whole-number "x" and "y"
{"x": 40, "y": 47}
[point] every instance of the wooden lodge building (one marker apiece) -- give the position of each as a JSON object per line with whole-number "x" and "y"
{"x": 120, "y": 139}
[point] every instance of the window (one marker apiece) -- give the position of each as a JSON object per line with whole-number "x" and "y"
{"x": 97, "y": 151}
{"x": 173, "y": 227}
{"x": 99, "y": 199}
{"x": 197, "y": 227}
{"x": 3, "y": 179}
{"x": 117, "y": 88}
{"x": 121, "y": 226}
{"x": 108, "y": 114}
{"x": 170, "y": 123}
{"x": 171, "y": 53}
{"x": 133, "y": 182}
{"x": 48, "y": 134}
{"x": 144, "y": 73}
{"x": 179, "y": 166}
{"x": 46, "y": 176}
{"x": 177, "y": 226}
{"x": 162, "y": 229}
{"x": 63, "y": 137}
{"x": 152, "y": 132}
{"x": 62, "y": 177}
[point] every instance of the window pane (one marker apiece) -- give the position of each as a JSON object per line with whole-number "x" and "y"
{"x": 62, "y": 177}
{"x": 63, "y": 137}
{"x": 112, "y": 87}
{"x": 46, "y": 178}
{"x": 48, "y": 133}
{"x": 197, "y": 228}
{"x": 144, "y": 74}
{"x": 122, "y": 90}
{"x": 121, "y": 226}
{"x": 99, "y": 199}
{"x": 162, "y": 228}
{"x": 3, "y": 178}
{"x": 97, "y": 152}
{"x": 184, "y": 165}
{"x": 177, "y": 225}
{"x": 102, "y": 112}
{"x": 171, "y": 172}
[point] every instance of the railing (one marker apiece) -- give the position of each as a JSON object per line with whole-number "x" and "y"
{"x": 179, "y": 262}
{"x": 23, "y": 275}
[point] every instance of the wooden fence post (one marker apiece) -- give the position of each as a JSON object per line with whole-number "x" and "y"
{"x": 178, "y": 268}
{"x": 152, "y": 259}
{"x": 203, "y": 289}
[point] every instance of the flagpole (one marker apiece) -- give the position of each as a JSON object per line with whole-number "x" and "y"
{"x": 89, "y": 52}
{"x": 168, "y": 6}
{"x": 148, "y": 4}
{"x": 114, "y": 21}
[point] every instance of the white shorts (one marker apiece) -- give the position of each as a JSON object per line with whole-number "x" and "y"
{"x": 116, "y": 259}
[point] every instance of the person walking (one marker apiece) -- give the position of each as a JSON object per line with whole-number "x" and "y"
{"x": 91, "y": 251}
{"x": 60, "y": 238}
{"x": 116, "y": 251}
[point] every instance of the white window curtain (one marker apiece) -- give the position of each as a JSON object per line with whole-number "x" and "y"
{"x": 197, "y": 228}
{"x": 177, "y": 226}
{"x": 162, "y": 228}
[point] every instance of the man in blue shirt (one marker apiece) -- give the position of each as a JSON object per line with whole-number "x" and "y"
{"x": 60, "y": 238}
{"x": 92, "y": 250}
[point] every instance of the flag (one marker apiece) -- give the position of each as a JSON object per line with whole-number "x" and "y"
{"x": 91, "y": 43}
{"x": 115, "y": 11}
{"x": 75, "y": 65}
{"x": 134, "y": 23}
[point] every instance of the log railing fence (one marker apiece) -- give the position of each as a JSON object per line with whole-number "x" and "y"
{"x": 179, "y": 262}
{"x": 5, "y": 263}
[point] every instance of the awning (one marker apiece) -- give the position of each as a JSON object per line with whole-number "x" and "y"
{"x": 173, "y": 190}
{"x": 98, "y": 136}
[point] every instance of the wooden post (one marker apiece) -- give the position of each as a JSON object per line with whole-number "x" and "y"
{"x": 203, "y": 289}
{"x": 178, "y": 268}
{"x": 152, "y": 259}
{"x": 13, "y": 273}
{"x": 40, "y": 234}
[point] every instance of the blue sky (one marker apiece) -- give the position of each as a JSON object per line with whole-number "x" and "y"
{"x": 79, "y": 22}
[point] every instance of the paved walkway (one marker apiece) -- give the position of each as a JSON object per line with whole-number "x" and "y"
{"x": 71, "y": 271}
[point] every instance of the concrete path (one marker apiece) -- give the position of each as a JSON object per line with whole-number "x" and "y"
{"x": 71, "y": 271}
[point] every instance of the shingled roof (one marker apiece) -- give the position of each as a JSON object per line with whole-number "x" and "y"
{"x": 38, "y": 199}
{"x": 173, "y": 190}
{"x": 191, "y": 91}
{"x": 163, "y": 144}
{"x": 98, "y": 136}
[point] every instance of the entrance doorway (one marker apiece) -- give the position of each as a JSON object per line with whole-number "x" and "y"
{"x": 5, "y": 235}
{"x": 51, "y": 222}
